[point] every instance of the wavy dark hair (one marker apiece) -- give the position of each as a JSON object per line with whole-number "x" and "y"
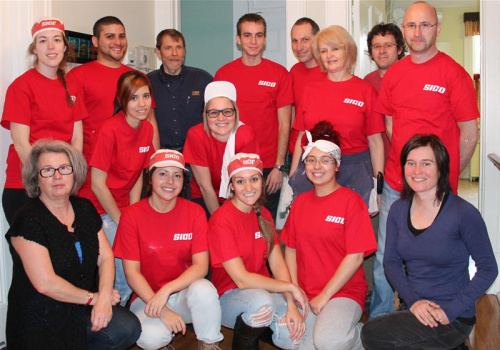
{"x": 387, "y": 29}
{"x": 442, "y": 162}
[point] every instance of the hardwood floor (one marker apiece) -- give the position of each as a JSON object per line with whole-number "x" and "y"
{"x": 486, "y": 334}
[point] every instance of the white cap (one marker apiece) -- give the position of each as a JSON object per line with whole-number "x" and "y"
{"x": 220, "y": 89}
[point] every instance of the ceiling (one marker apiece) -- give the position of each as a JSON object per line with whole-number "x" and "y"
{"x": 439, "y": 3}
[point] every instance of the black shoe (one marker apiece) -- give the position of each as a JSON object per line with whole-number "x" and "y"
{"x": 246, "y": 337}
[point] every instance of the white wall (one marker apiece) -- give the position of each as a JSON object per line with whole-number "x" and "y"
{"x": 137, "y": 16}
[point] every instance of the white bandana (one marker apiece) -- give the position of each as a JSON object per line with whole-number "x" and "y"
{"x": 323, "y": 145}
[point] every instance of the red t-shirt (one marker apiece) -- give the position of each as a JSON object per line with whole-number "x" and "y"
{"x": 261, "y": 91}
{"x": 231, "y": 234}
{"x": 348, "y": 105}
{"x": 301, "y": 76}
{"x": 425, "y": 98}
{"x": 323, "y": 230}
{"x": 202, "y": 150}
{"x": 375, "y": 80}
{"x": 122, "y": 152}
{"x": 163, "y": 243}
{"x": 98, "y": 84}
{"x": 40, "y": 103}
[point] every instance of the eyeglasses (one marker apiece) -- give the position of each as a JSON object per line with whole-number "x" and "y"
{"x": 226, "y": 112}
{"x": 424, "y": 26}
{"x": 324, "y": 161}
{"x": 386, "y": 46}
{"x": 49, "y": 172}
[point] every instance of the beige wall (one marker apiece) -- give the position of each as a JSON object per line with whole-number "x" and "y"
{"x": 137, "y": 16}
{"x": 452, "y": 31}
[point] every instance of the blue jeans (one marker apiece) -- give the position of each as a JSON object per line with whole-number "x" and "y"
{"x": 122, "y": 331}
{"x": 197, "y": 304}
{"x": 259, "y": 308}
{"x": 121, "y": 285}
{"x": 401, "y": 330}
{"x": 383, "y": 295}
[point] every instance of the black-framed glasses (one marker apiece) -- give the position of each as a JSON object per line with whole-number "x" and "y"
{"x": 226, "y": 112}
{"x": 424, "y": 26}
{"x": 386, "y": 46}
{"x": 49, "y": 172}
{"x": 324, "y": 161}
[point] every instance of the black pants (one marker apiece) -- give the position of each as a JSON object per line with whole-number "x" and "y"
{"x": 401, "y": 330}
{"x": 13, "y": 199}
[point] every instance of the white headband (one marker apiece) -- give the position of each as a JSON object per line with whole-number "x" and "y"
{"x": 323, "y": 145}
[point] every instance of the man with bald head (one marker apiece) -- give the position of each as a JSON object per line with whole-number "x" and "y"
{"x": 425, "y": 92}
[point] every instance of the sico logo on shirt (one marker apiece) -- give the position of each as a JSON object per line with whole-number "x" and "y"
{"x": 354, "y": 102}
{"x": 144, "y": 149}
{"x": 435, "y": 88}
{"x": 266, "y": 83}
{"x": 183, "y": 236}
{"x": 335, "y": 219}
{"x": 258, "y": 235}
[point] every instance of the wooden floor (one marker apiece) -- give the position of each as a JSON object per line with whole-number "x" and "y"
{"x": 486, "y": 334}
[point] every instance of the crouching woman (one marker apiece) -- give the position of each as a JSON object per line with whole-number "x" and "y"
{"x": 163, "y": 243}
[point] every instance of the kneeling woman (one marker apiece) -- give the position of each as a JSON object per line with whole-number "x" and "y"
{"x": 434, "y": 233}
{"x": 56, "y": 299}
{"x": 327, "y": 235}
{"x": 163, "y": 243}
{"x": 242, "y": 240}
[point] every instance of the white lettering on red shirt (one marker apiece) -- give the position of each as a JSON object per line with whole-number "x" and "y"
{"x": 183, "y": 236}
{"x": 335, "y": 219}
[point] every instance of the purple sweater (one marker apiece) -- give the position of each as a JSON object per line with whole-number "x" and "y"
{"x": 437, "y": 260}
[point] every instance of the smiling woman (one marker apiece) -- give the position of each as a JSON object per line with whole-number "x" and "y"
{"x": 121, "y": 151}
{"x": 163, "y": 243}
{"x": 40, "y": 104}
{"x": 57, "y": 245}
{"x": 211, "y": 144}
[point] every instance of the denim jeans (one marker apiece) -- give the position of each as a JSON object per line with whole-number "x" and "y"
{"x": 383, "y": 295}
{"x": 402, "y": 331}
{"x": 259, "y": 308}
{"x": 337, "y": 327}
{"x": 197, "y": 304}
{"x": 122, "y": 331}
{"x": 121, "y": 285}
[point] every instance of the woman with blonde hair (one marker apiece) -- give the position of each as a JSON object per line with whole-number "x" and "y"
{"x": 242, "y": 240}
{"x": 347, "y": 102}
{"x": 40, "y": 104}
{"x": 211, "y": 144}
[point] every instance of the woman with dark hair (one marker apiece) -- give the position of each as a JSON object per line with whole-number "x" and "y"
{"x": 40, "y": 104}
{"x": 347, "y": 102}
{"x": 327, "y": 235}
{"x": 433, "y": 233}
{"x": 56, "y": 300}
{"x": 163, "y": 243}
{"x": 121, "y": 152}
{"x": 211, "y": 144}
{"x": 242, "y": 240}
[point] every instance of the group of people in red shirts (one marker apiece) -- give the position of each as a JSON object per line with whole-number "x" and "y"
{"x": 311, "y": 292}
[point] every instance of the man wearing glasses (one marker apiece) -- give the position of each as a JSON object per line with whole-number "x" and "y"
{"x": 426, "y": 92}
{"x": 265, "y": 100}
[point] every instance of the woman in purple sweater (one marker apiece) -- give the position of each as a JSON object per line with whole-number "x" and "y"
{"x": 433, "y": 233}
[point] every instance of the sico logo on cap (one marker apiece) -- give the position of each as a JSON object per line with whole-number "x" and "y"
{"x": 48, "y": 23}
{"x": 249, "y": 161}
{"x": 169, "y": 156}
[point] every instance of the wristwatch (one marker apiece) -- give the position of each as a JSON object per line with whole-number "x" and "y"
{"x": 280, "y": 167}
